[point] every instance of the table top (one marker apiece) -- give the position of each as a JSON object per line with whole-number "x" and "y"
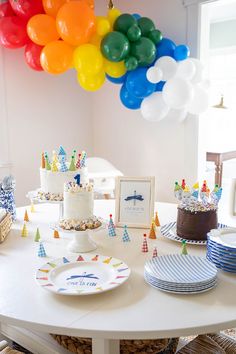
{"x": 133, "y": 310}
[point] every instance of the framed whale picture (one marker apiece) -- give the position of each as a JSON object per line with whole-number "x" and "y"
{"x": 134, "y": 201}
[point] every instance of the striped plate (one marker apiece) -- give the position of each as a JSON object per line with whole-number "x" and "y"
{"x": 169, "y": 231}
{"x": 180, "y": 269}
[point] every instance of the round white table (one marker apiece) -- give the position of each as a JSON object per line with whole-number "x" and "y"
{"x": 133, "y": 310}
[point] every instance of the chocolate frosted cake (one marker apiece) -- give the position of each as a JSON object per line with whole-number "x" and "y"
{"x": 194, "y": 225}
{"x": 197, "y": 210}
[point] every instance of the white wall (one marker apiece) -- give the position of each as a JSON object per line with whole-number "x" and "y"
{"x": 167, "y": 149}
{"x": 42, "y": 112}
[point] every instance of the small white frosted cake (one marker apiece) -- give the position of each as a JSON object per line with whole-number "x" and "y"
{"x": 78, "y": 201}
{"x": 78, "y": 207}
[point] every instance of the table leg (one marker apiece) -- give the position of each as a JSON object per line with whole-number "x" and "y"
{"x": 105, "y": 346}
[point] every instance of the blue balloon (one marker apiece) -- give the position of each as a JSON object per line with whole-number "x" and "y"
{"x": 138, "y": 85}
{"x": 165, "y": 47}
{"x": 160, "y": 85}
{"x": 128, "y": 100}
{"x": 181, "y": 52}
{"x": 117, "y": 80}
{"x": 136, "y": 16}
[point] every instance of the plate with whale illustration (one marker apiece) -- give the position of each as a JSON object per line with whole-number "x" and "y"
{"x": 82, "y": 274}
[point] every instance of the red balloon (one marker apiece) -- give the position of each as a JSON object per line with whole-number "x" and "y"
{"x": 13, "y": 32}
{"x": 6, "y": 10}
{"x": 32, "y": 56}
{"x": 27, "y": 8}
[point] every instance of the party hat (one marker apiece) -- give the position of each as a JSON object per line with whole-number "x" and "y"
{"x": 74, "y": 153}
{"x": 111, "y": 223}
{"x": 125, "y": 237}
{"x": 144, "y": 244}
{"x": 54, "y": 166}
{"x": 47, "y": 163}
{"x": 111, "y": 227}
{"x": 157, "y": 222}
{"x": 83, "y": 159}
{"x": 61, "y": 151}
{"x": 41, "y": 251}
{"x": 78, "y": 161}
{"x": 54, "y": 156}
{"x": 24, "y": 231}
{"x": 32, "y": 209}
{"x": 152, "y": 232}
{"x": 42, "y": 160}
{"x": 63, "y": 167}
{"x": 26, "y": 217}
{"x": 72, "y": 164}
{"x": 37, "y": 236}
{"x": 196, "y": 185}
{"x": 177, "y": 187}
{"x": 183, "y": 184}
{"x": 184, "y": 248}
{"x": 154, "y": 254}
{"x": 56, "y": 234}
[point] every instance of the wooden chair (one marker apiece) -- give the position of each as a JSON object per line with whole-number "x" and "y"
{"x": 5, "y": 349}
{"x": 210, "y": 344}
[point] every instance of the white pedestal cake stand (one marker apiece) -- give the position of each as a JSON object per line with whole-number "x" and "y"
{"x": 81, "y": 240}
{"x": 33, "y": 196}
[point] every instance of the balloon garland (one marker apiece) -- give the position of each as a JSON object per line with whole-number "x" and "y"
{"x": 155, "y": 74}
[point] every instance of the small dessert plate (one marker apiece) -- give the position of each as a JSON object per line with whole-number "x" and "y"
{"x": 84, "y": 274}
{"x": 169, "y": 231}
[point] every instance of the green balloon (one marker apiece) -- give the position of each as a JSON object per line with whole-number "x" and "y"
{"x": 131, "y": 63}
{"x": 115, "y": 46}
{"x": 146, "y": 25}
{"x": 155, "y": 36}
{"x": 124, "y": 22}
{"x": 144, "y": 50}
{"x": 134, "y": 33}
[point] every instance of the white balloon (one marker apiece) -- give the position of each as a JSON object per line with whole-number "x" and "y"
{"x": 177, "y": 93}
{"x": 154, "y": 75}
{"x": 153, "y": 108}
{"x": 168, "y": 67}
{"x": 200, "y": 101}
{"x": 186, "y": 69}
{"x": 198, "y": 76}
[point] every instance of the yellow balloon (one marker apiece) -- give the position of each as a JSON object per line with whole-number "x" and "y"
{"x": 91, "y": 82}
{"x": 112, "y": 15}
{"x": 103, "y": 25}
{"x": 88, "y": 59}
{"x": 114, "y": 69}
{"x": 96, "y": 40}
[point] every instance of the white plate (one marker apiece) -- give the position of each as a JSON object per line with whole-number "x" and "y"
{"x": 169, "y": 231}
{"x": 226, "y": 237}
{"x": 83, "y": 274}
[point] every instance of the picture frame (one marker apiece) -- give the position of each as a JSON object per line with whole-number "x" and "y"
{"x": 134, "y": 201}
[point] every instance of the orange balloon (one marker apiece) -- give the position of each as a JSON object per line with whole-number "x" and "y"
{"x": 56, "y": 57}
{"x": 51, "y": 7}
{"x": 76, "y": 22}
{"x": 42, "y": 29}
{"x": 90, "y": 3}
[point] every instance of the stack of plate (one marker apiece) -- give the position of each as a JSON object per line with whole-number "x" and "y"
{"x": 221, "y": 249}
{"x": 180, "y": 274}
